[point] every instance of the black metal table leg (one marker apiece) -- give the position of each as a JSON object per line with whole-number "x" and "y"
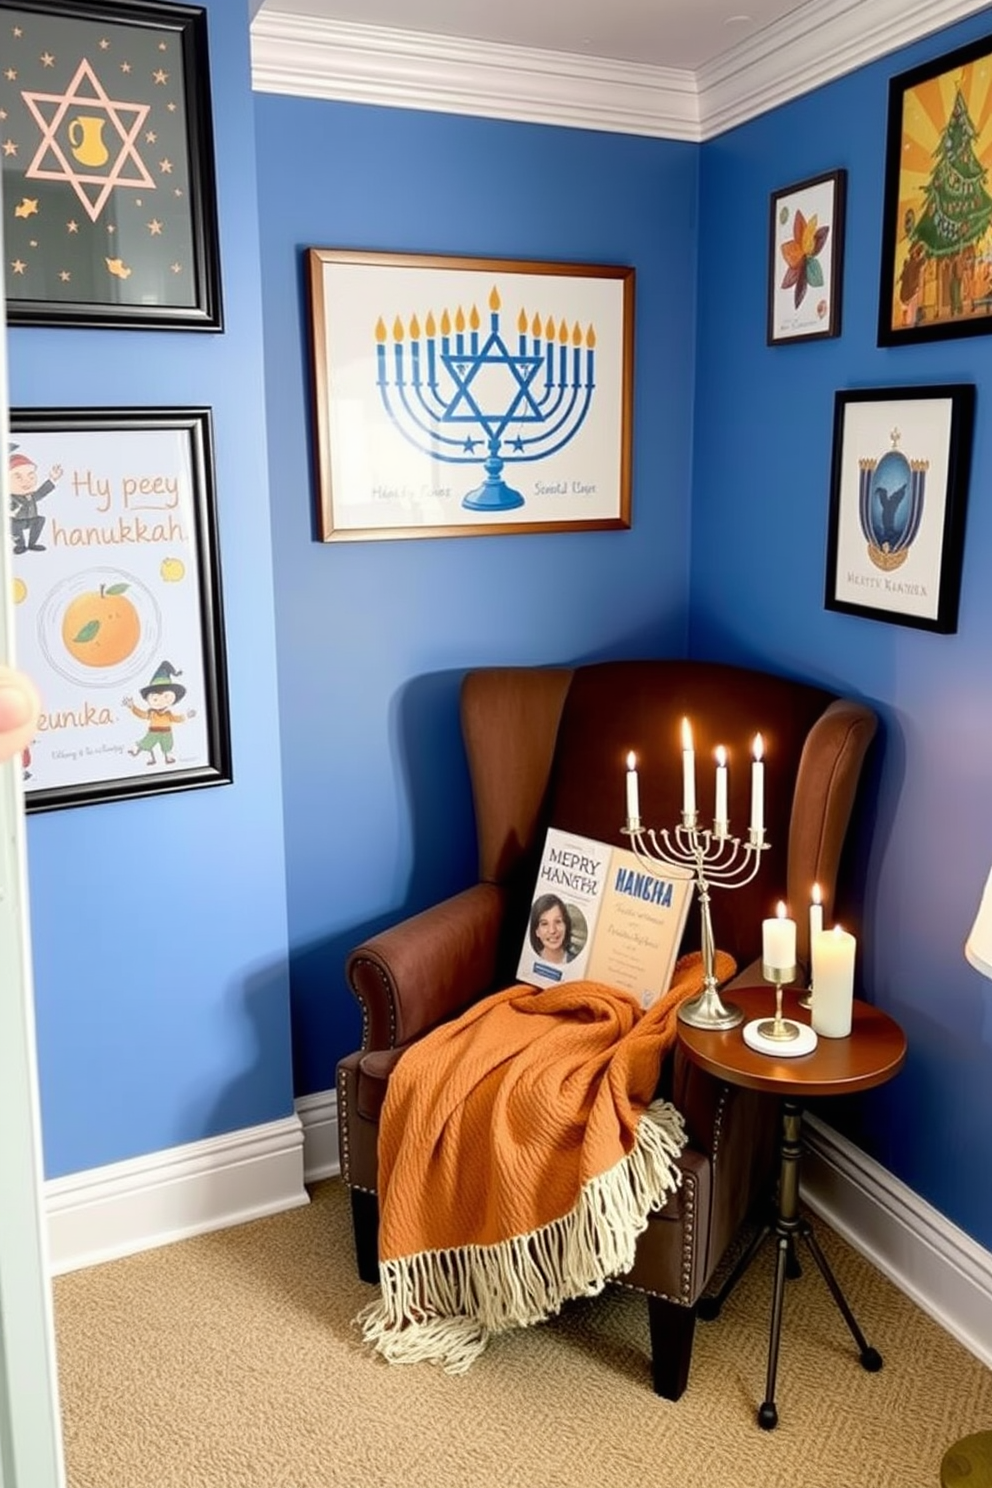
{"x": 871, "y": 1359}
{"x": 767, "y": 1413}
{"x": 788, "y": 1224}
{"x": 708, "y": 1308}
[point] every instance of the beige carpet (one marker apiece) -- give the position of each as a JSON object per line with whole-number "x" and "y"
{"x": 231, "y": 1361}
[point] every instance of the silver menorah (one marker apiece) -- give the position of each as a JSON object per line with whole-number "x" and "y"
{"x": 450, "y": 394}
{"x": 717, "y": 860}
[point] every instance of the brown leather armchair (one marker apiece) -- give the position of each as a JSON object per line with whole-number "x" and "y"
{"x": 547, "y": 746}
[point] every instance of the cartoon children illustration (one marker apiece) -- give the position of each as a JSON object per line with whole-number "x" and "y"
{"x": 26, "y": 522}
{"x": 161, "y": 695}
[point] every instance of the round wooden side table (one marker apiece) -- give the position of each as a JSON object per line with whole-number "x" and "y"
{"x": 873, "y": 1052}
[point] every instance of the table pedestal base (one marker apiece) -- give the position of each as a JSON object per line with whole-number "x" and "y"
{"x": 786, "y": 1226}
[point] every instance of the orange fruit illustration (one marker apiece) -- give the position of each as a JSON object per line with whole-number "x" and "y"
{"x": 20, "y": 591}
{"x": 101, "y": 628}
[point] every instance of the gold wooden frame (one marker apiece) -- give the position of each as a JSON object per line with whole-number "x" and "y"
{"x": 430, "y": 374}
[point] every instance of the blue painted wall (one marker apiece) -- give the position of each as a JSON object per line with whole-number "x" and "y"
{"x": 373, "y": 637}
{"x": 161, "y": 930}
{"x": 759, "y": 525}
{"x": 159, "y": 926}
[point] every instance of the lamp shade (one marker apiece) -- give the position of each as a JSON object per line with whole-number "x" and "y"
{"x": 978, "y": 946}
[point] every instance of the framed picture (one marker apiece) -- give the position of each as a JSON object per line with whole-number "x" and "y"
{"x": 899, "y": 489}
{"x": 936, "y": 276}
{"x": 805, "y": 259}
{"x": 117, "y": 602}
{"x": 109, "y": 204}
{"x": 460, "y": 397}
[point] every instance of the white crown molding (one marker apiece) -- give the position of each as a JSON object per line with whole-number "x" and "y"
{"x": 316, "y": 58}
{"x": 311, "y": 57}
{"x": 822, "y": 40}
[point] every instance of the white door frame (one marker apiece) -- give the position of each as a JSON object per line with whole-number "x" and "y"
{"x": 30, "y": 1425}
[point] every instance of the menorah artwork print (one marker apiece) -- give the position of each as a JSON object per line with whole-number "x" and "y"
{"x": 459, "y": 397}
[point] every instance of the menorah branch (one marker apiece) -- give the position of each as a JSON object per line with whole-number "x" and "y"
{"x": 716, "y": 860}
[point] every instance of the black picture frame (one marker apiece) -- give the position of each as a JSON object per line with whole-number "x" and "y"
{"x": 933, "y": 284}
{"x": 117, "y": 596}
{"x": 110, "y": 209}
{"x": 898, "y": 499}
{"x": 805, "y": 298}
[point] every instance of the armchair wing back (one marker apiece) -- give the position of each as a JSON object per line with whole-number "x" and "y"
{"x": 548, "y": 746}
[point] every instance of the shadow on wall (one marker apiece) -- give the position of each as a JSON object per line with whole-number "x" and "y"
{"x": 262, "y": 1091}
{"x": 435, "y": 793}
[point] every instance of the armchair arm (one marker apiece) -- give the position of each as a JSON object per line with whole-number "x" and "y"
{"x": 418, "y": 973}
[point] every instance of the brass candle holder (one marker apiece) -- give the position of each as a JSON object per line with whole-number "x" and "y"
{"x": 779, "y": 1029}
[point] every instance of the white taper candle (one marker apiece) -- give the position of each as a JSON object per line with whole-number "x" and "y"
{"x": 720, "y": 810}
{"x": 688, "y": 771}
{"x": 633, "y": 802}
{"x": 758, "y": 786}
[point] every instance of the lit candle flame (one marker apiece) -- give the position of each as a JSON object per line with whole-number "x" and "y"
{"x": 758, "y": 747}
{"x": 817, "y": 896}
{"x": 631, "y": 760}
{"x": 686, "y": 734}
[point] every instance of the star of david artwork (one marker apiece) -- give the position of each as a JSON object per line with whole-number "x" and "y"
{"x": 105, "y": 147}
{"x": 84, "y": 116}
{"x": 460, "y": 396}
{"x": 470, "y": 377}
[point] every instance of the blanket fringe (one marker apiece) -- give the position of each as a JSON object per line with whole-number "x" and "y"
{"x": 442, "y": 1305}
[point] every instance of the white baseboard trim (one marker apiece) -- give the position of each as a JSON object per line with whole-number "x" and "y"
{"x": 113, "y": 1211}
{"x": 319, "y": 1115}
{"x": 941, "y": 1268}
{"x": 109, "y": 1212}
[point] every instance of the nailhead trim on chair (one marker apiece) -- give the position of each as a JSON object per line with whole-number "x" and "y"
{"x": 689, "y": 1189}
{"x": 366, "y": 1020}
{"x": 345, "y": 1150}
{"x": 688, "y": 1240}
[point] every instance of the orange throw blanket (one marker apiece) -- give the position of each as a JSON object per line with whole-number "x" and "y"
{"x": 520, "y": 1154}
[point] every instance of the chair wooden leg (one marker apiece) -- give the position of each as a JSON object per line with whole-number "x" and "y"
{"x": 365, "y": 1223}
{"x": 672, "y": 1329}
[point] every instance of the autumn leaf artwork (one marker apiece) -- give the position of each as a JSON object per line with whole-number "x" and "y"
{"x": 801, "y": 252}
{"x": 806, "y": 235}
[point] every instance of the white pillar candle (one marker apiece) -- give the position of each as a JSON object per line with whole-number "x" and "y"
{"x": 688, "y": 771}
{"x": 633, "y": 803}
{"x": 833, "y": 987}
{"x": 778, "y": 941}
{"x": 720, "y": 810}
{"x": 758, "y": 786}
